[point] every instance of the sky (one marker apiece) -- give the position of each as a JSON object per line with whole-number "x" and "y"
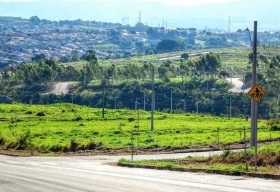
{"x": 209, "y": 14}
{"x": 167, "y": 2}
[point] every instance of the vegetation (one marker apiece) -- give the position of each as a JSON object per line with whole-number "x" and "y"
{"x": 196, "y": 82}
{"x": 228, "y": 162}
{"x": 66, "y": 127}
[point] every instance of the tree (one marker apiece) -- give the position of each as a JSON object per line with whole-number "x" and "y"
{"x": 139, "y": 45}
{"x": 126, "y": 55}
{"x": 90, "y": 56}
{"x": 213, "y": 62}
{"x": 70, "y": 74}
{"x": 168, "y": 45}
{"x": 38, "y": 57}
{"x": 35, "y": 20}
{"x": 153, "y": 33}
{"x": 250, "y": 57}
{"x": 185, "y": 56}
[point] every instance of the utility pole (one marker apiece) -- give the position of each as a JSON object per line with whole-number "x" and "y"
{"x": 171, "y": 103}
{"x": 103, "y": 103}
{"x": 138, "y": 116}
{"x": 153, "y": 98}
{"x": 138, "y": 122}
{"x": 115, "y": 102}
{"x": 254, "y": 108}
{"x": 144, "y": 101}
{"x": 230, "y": 106}
{"x": 278, "y": 104}
{"x": 229, "y": 24}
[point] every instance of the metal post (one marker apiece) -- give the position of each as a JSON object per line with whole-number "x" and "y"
{"x": 132, "y": 147}
{"x": 103, "y": 103}
{"x": 115, "y": 103}
{"x": 254, "y": 81}
{"x": 138, "y": 123}
{"x": 256, "y": 159}
{"x": 153, "y": 98}
{"x": 144, "y": 101}
{"x": 245, "y": 148}
{"x": 254, "y": 107}
{"x": 197, "y": 107}
{"x": 230, "y": 106}
{"x": 171, "y": 103}
{"x": 278, "y": 104}
{"x": 218, "y": 138}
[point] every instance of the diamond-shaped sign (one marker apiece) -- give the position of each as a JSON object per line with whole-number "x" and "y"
{"x": 256, "y": 93}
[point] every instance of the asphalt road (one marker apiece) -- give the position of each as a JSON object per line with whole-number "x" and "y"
{"x": 82, "y": 174}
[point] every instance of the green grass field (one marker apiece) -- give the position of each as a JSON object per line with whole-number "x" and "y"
{"x": 67, "y": 127}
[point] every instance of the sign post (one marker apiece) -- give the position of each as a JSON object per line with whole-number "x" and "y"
{"x": 254, "y": 113}
{"x": 254, "y": 81}
{"x": 256, "y": 93}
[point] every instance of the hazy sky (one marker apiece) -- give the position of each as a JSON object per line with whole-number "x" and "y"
{"x": 177, "y": 13}
{"x": 167, "y": 2}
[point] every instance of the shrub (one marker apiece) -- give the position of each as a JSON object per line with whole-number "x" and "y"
{"x": 41, "y": 114}
{"x": 149, "y": 140}
{"x": 91, "y": 145}
{"x": 55, "y": 148}
{"x": 130, "y": 119}
{"x": 23, "y": 141}
{"x": 275, "y": 128}
{"x": 73, "y": 145}
{"x": 79, "y": 118}
{"x": 1, "y": 141}
{"x": 117, "y": 132}
{"x": 95, "y": 133}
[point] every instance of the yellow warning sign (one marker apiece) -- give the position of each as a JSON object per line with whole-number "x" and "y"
{"x": 256, "y": 93}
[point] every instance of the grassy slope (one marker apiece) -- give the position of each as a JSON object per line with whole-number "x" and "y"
{"x": 55, "y": 130}
{"x": 231, "y": 57}
{"x": 231, "y": 162}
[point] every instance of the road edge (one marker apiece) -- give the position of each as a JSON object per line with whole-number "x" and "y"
{"x": 254, "y": 175}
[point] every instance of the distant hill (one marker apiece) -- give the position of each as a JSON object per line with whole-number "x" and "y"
{"x": 242, "y": 12}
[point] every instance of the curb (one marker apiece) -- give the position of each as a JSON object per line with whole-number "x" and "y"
{"x": 255, "y": 175}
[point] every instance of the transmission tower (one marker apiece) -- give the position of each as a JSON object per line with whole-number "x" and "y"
{"x": 140, "y": 17}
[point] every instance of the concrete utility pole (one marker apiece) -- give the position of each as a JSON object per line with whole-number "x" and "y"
{"x": 230, "y": 106}
{"x": 115, "y": 102}
{"x": 254, "y": 109}
{"x": 103, "y": 103}
{"x": 144, "y": 101}
{"x": 153, "y": 98}
{"x": 138, "y": 117}
{"x": 171, "y": 103}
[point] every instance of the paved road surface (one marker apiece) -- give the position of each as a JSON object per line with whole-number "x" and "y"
{"x": 179, "y": 56}
{"x": 236, "y": 85}
{"x": 61, "y": 88}
{"x": 81, "y": 174}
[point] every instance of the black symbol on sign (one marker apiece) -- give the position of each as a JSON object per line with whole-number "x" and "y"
{"x": 257, "y": 94}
